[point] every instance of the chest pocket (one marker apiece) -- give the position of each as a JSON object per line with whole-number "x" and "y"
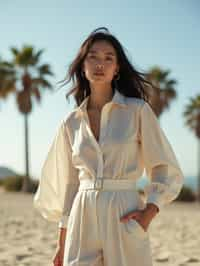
{"x": 82, "y": 146}
{"x": 122, "y": 129}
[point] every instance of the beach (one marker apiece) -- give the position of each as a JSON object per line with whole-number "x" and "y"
{"x": 27, "y": 239}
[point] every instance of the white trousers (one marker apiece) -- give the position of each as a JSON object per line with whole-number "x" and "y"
{"x": 95, "y": 235}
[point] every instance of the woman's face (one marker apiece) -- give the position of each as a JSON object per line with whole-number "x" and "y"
{"x": 100, "y": 64}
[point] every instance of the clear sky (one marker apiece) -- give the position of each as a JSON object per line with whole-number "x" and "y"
{"x": 164, "y": 33}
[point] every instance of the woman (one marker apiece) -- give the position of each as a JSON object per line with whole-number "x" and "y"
{"x": 88, "y": 180}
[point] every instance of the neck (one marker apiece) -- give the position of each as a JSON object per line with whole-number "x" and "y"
{"x": 99, "y": 96}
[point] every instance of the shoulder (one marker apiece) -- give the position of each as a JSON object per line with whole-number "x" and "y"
{"x": 71, "y": 115}
{"x": 134, "y": 102}
{"x": 139, "y": 106}
{"x": 71, "y": 119}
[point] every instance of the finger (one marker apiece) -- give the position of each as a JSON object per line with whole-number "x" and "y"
{"x": 129, "y": 216}
{"x": 57, "y": 262}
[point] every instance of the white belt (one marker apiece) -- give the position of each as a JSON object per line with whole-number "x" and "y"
{"x": 107, "y": 184}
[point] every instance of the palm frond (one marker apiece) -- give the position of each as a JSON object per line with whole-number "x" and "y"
{"x": 192, "y": 114}
{"x": 45, "y": 70}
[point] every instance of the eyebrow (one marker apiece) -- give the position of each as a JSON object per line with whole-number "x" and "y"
{"x": 94, "y": 52}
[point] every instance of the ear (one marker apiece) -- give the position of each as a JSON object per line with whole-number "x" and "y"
{"x": 117, "y": 70}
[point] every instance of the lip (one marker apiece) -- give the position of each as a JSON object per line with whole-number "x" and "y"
{"x": 99, "y": 73}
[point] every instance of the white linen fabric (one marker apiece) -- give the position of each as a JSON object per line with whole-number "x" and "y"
{"x": 130, "y": 141}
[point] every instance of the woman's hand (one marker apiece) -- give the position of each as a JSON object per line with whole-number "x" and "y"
{"x": 59, "y": 256}
{"x": 138, "y": 216}
{"x": 143, "y": 217}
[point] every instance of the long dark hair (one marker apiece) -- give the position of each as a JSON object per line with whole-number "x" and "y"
{"x": 130, "y": 82}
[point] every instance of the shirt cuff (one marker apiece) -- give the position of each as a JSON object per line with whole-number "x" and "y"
{"x": 63, "y": 222}
{"x": 154, "y": 198}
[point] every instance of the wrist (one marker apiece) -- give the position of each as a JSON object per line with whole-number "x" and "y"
{"x": 151, "y": 209}
{"x": 61, "y": 238}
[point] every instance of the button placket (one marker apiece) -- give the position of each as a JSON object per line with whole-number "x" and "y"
{"x": 102, "y": 134}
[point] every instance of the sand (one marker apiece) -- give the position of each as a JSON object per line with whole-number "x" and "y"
{"x": 27, "y": 239}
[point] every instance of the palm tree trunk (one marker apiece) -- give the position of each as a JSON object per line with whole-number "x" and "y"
{"x": 26, "y": 181}
{"x": 198, "y": 174}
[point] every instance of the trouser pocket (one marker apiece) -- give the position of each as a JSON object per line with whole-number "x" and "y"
{"x": 133, "y": 227}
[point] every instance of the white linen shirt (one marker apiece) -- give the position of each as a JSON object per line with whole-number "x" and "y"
{"x": 130, "y": 141}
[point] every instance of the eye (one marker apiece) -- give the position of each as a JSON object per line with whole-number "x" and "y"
{"x": 109, "y": 58}
{"x": 92, "y": 56}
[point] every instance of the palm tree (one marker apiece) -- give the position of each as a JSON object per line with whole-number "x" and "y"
{"x": 192, "y": 120}
{"x": 28, "y": 83}
{"x": 7, "y": 79}
{"x": 163, "y": 92}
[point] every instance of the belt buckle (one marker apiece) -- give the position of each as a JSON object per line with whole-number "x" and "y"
{"x": 98, "y": 183}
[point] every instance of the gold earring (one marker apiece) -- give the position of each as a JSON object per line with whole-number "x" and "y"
{"x": 117, "y": 77}
{"x": 82, "y": 73}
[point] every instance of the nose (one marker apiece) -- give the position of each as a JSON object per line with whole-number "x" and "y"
{"x": 99, "y": 64}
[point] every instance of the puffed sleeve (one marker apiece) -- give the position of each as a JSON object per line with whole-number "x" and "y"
{"x": 159, "y": 161}
{"x": 59, "y": 180}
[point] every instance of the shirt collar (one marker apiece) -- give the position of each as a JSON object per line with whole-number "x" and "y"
{"x": 117, "y": 98}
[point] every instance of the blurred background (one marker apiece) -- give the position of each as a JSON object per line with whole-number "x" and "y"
{"x": 39, "y": 39}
